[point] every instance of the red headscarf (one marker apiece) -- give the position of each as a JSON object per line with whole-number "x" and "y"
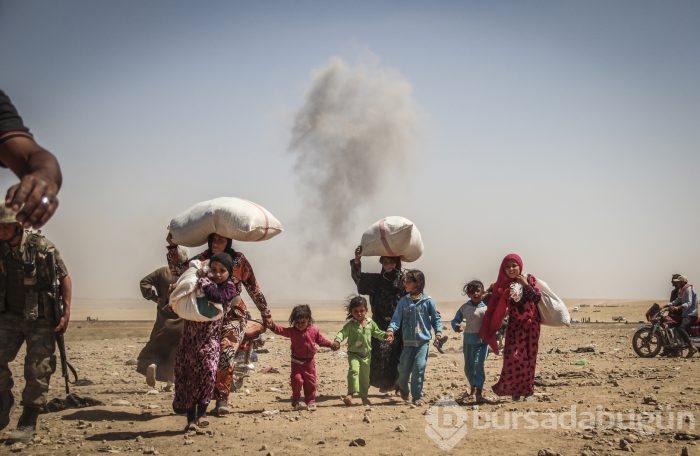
{"x": 498, "y": 304}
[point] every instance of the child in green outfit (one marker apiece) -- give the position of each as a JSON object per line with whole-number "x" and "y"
{"x": 359, "y": 331}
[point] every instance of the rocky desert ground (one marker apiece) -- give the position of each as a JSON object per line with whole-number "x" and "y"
{"x": 594, "y": 396}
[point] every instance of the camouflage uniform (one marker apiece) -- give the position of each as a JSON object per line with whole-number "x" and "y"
{"x": 27, "y": 315}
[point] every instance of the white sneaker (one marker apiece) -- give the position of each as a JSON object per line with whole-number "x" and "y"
{"x": 151, "y": 375}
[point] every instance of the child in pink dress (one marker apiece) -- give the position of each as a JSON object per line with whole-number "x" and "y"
{"x": 304, "y": 338}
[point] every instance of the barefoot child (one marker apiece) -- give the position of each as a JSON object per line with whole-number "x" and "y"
{"x": 304, "y": 337}
{"x": 197, "y": 355}
{"x": 468, "y": 320}
{"x": 415, "y": 314}
{"x": 359, "y": 331}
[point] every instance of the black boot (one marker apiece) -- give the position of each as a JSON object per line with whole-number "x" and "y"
{"x": 26, "y": 426}
{"x": 7, "y": 403}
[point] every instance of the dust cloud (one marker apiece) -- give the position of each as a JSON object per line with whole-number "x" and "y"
{"x": 351, "y": 139}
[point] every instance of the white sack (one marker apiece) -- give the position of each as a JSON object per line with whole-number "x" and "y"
{"x": 230, "y": 217}
{"x": 393, "y": 236}
{"x": 553, "y": 311}
{"x": 189, "y": 303}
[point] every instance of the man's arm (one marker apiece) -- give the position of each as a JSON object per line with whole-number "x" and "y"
{"x": 147, "y": 287}
{"x": 40, "y": 178}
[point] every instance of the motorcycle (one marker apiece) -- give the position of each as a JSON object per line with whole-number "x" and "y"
{"x": 661, "y": 332}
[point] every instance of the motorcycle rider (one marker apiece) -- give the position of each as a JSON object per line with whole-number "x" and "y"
{"x": 673, "y": 352}
{"x": 687, "y": 302}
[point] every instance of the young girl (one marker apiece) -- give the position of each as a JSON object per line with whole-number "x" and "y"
{"x": 517, "y": 295}
{"x": 359, "y": 331}
{"x": 415, "y": 314}
{"x": 198, "y": 353}
{"x": 304, "y": 338}
{"x": 468, "y": 320}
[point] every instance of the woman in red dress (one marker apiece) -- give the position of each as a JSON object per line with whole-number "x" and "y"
{"x": 517, "y": 295}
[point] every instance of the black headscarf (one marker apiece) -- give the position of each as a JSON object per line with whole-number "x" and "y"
{"x": 225, "y": 259}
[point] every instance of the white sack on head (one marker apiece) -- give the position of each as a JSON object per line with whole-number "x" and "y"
{"x": 393, "y": 236}
{"x": 230, "y": 217}
{"x": 188, "y": 303}
{"x": 553, "y": 311}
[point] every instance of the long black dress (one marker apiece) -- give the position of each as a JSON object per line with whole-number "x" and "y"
{"x": 384, "y": 291}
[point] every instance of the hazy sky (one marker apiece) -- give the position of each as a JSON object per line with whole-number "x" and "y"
{"x": 566, "y": 131}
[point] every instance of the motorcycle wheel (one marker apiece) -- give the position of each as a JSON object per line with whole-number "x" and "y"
{"x": 646, "y": 344}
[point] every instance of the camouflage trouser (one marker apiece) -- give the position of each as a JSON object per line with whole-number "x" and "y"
{"x": 39, "y": 361}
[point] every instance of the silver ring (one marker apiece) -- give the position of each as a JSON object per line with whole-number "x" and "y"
{"x": 44, "y": 200}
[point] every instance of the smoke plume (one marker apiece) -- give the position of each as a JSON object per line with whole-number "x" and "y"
{"x": 354, "y": 133}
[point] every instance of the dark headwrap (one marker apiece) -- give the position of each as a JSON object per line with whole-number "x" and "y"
{"x": 225, "y": 259}
{"x": 396, "y": 258}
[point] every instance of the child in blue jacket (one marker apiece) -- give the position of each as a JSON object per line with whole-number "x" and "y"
{"x": 416, "y": 315}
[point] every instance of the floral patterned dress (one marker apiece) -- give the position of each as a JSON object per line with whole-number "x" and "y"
{"x": 522, "y": 343}
{"x": 234, "y": 323}
{"x": 197, "y": 355}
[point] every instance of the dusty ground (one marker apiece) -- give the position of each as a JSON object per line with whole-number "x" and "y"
{"x": 609, "y": 384}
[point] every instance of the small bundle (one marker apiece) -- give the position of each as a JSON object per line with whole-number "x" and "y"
{"x": 230, "y": 217}
{"x": 393, "y": 236}
{"x": 188, "y": 302}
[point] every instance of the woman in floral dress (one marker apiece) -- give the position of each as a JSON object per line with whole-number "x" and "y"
{"x": 197, "y": 355}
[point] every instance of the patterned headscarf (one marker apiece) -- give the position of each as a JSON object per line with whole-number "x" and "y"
{"x": 498, "y": 304}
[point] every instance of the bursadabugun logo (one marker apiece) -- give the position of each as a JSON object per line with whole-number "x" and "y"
{"x": 447, "y": 423}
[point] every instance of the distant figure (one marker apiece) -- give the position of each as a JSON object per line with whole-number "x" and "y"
{"x": 416, "y": 315}
{"x": 517, "y": 295}
{"x": 384, "y": 289}
{"x": 359, "y": 331}
{"x": 34, "y": 198}
{"x": 686, "y": 302}
{"x": 304, "y": 336}
{"x": 28, "y": 315}
{"x": 197, "y": 355}
{"x": 157, "y": 358}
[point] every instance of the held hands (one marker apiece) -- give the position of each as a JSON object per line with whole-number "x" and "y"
{"x": 389, "y": 337}
{"x": 267, "y": 321}
{"x": 335, "y": 345}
